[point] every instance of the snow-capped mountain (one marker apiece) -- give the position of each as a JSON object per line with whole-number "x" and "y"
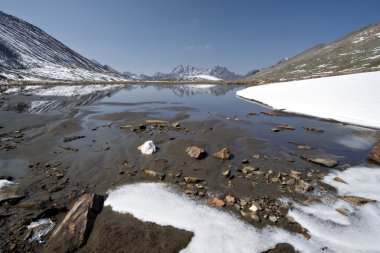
{"x": 138, "y": 77}
{"x": 28, "y": 53}
{"x": 215, "y": 73}
{"x": 191, "y": 73}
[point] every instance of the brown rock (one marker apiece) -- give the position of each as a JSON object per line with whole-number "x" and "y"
{"x": 285, "y": 126}
{"x": 250, "y": 215}
{"x": 374, "y": 156}
{"x": 230, "y": 200}
{"x": 156, "y": 122}
{"x": 356, "y": 200}
{"x": 273, "y": 218}
{"x": 248, "y": 169}
{"x": 338, "y": 179}
{"x": 304, "y": 147}
{"x": 192, "y": 180}
{"x": 226, "y": 173}
{"x": 223, "y": 154}
{"x": 76, "y": 227}
{"x": 322, "y": 161}
{"x": 217, "y": 202}
{"x": 342, "y": 211}
{"x": 195, "y": 152}
{"x": 11, "y": 193}
{"x": 305, "y": 185}
{"x": 153, "y": 173}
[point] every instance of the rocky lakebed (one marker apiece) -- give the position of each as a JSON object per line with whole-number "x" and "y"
{"x": 169, "y": 168}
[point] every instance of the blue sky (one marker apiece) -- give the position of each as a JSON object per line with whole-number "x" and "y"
{"x": 145, "y": 36}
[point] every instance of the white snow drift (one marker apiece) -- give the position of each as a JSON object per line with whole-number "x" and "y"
{"x": 353, "y": 99}
{"x": 5, "y": 183}
{"x": 218, "y": 231}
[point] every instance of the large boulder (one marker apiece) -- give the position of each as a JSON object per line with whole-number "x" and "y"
{"x": 76, "y": 227}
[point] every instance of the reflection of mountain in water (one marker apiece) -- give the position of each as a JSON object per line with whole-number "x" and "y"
{"x": 190, "y": 90}
{"x": 44, "y": 99}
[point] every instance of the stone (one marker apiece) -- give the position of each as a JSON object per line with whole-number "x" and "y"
{"x": 313, "y": 129}
{"x": 330, "y": 163}
{"x": 304, "y": 147}
{"x": 252, "y": 113}
{"x": 217, "y": 202}
{"x": 192, "y": 180}
{"x": 342, "y": 211}
{"x": 338, "y": 179}
{"x": 250, "y": 215}
{"x": 223, "y": 154}
{"x": 275, "y": 129}
{"x": 11, "y": 193}
{"x": 226, "y": 173}
{"x": 285, "y": 126}
{"x": 272, "y": 113}
{"x": 273, "y": 218}
{"x": 374, "y": 156}
{"x": 356, "y": 200}
{"x": 153, "y": 173}
{"x": 196, "y": 152}
{"x": 77, "y": 225}
{"x": 73, "y": 138}
{"x": 157, "y": 122}
{"x": 257, "y": 157}
{"x": 176, "y": 124}
{"x": 305, "y": 186}
{"x": 125, "y": 127}
{"x": 291, "y": 181}
{"x": 230, "y": 200}
{"x": 249, "y": 169}
{"x": 147, "y": 148}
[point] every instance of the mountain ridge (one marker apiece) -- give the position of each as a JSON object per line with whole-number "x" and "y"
{"x": 29, "y": 53}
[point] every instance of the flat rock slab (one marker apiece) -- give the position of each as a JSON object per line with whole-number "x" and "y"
{"x": 196, "y": 152}
{"x": 11, "y": 193}
{"x": 374, "y": 156}
{"x": 76, "y": 227}
{"x": 330, "y": 163}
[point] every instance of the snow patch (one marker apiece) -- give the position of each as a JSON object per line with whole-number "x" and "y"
{"x": 358, "y": 230}
{"x": 5, "y": 183}
{"x": 350, "y": 98}
{"x": 40, "y": 229}
{"x": 207, "y": 77}
{"x": 214, "y": 230}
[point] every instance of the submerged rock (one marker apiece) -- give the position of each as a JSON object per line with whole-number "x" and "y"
{"x": 285, "y": 126}
{"x": 147, "y": 148}
{"x": 330, "y": 163}
{"x": 196, "y": 152}
{"x": 374, "y": 156}
{"x": 76, "y": 227}
{"x": 223, "y": 154}
{"x": 157, "y": 122}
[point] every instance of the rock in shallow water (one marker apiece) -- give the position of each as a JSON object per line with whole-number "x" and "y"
{"x": 223, "y": 154}
{"x": 196, "y": 152}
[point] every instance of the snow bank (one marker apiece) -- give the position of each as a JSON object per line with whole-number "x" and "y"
{"x": 214, "y": 230}
{"x": 352, "y": 98}
{"x": 358, "y": 230}
{"x": 218, "y": 231}
{"x": 5, "y": 183}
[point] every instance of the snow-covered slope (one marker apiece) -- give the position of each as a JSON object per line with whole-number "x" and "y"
{"x": 28, "y": 53}
{"x": 351, "y": 98}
